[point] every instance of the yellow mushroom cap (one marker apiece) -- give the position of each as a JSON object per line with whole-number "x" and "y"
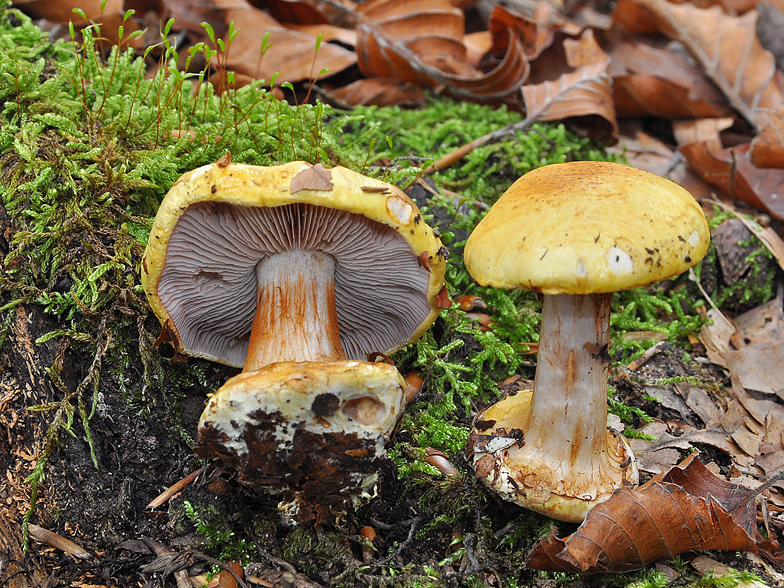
{"x": 201, "y": 282}
{"x": 587, "y": 227}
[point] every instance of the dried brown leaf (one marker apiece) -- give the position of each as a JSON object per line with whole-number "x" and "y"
{"x": 767, "y": 148}
{"x": 535, "y": 33}
{"x": 432, "y": 31}
{"x": 686, "y": 509}
{"x": 377, "y": 92}
{"x": 697, "y": 130}
{"x": 328, "y": 32}
{"x": 477, "y": 45}
{"x": 420, "y": 41}
{"x": 584, "y": 92}
{"x": 728, "y": 50}
{"x": 62, "y": 10}
{"x": 316, "y": 177}
{"x": 731, "y": 171}
{"x": 634, "y": 18}
{"x": 295, "y": 12}
{"x": 649, "y": 80}
{"x": 291, "y": 53}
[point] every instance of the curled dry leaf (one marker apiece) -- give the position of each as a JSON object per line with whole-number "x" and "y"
{"x": 686, "y": 509}
{"x": 377, "y": 92}
{"x": 728, "y": 50}
{"x": 534, "y": 34}
{"x": 634, "y": 18}
{"x": 293, "y": 54}
{"x": 767, "y": 148}
{"x": 305, "y": 13}
{"x": 733, "y": 173}
{"x": 433, "y": 30}
{"x": 583, "y": 51}
{"x": 108, "y": 13}
{"x": 328, "y": 32}
{"x": 477, "y": 45}
{"x": 584, "y": 92}
{"x": 420, "y": 41}
{"x": 695, "y": 130}
{"x": 62, "y": 10}
{"x": 652, "y": 81}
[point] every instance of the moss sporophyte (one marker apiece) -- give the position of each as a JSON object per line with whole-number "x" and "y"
{"x": 89, "y": 144}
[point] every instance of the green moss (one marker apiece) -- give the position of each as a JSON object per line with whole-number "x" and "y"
{"x": 756, "y": 288}
{"x": 729, "y": 580}
{"x": 218, "y": 537}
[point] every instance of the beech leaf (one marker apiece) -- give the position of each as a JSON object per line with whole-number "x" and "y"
{"x": 291, "y": 53}
{"x": 378, "y": 92}
{"x": 652, "y": 81}
{"x": 686, "y": 509}
{"x": 587, "y": 91}
{"x": 767, "y": 148}
{"x": 313, "y": 178}
{"x": 728, "y": 50}
{"x": 733, "y": 173}
{"x": 421, "y": 41}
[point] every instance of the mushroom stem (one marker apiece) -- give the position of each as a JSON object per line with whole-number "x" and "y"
{"x": 296, "y": 316}
{"x": 568, "y": 418}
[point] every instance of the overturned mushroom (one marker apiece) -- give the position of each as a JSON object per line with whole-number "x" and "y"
{"x": 576, "y": 232}
{"x": 296, "y": 273}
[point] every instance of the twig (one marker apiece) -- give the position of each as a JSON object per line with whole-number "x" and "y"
{"x": 640, "y": 361}
{"x": 401, "y": 546}
{"x": 164, "y": 496}
{"x": 468, "y": 543}
{"x": 58, "y": 542}
{"x": 461, "y": 152}
{"x": 274, "y": 560}
{"x": 778, "y": 476}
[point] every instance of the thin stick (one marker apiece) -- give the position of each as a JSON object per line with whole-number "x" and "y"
{"x": 461, "y": 152}
{"x": 175, "y": 488}
{"x": 640, "y": 361}
{"x": 217, "y": 562}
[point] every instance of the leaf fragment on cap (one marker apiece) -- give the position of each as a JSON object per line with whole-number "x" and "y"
{"x": 313, "y": 178}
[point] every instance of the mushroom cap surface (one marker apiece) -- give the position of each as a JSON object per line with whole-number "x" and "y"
{"x": 587, "y": 227}
{"x": 313, "y": 431}
{"x": 201, "y": 283}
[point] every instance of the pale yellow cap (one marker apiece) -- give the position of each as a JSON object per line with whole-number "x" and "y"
{"x": 587, "y": 227}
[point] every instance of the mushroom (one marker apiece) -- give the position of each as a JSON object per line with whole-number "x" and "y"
{"x": 575, "y": 232}
{"x": 295, "y": 273}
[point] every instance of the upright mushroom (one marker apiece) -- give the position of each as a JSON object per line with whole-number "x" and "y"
{"x": 575, "y": 232}
{"x": 297, "y": 273}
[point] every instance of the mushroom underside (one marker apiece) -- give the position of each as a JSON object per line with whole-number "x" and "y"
{"x": 209, "y": 281}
